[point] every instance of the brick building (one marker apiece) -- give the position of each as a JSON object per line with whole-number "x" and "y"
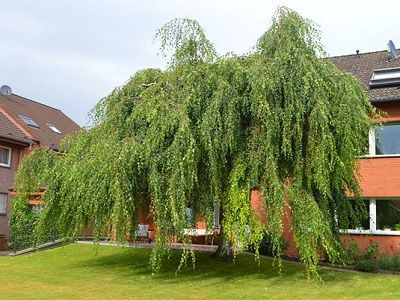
{"x": 24, "y": 125}
{"x": 379, "y": 72}
{"x": 379, "y": 169}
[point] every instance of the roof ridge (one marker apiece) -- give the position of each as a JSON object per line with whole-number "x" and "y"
{"x": 36, "y": 102}
{"x": 359, "y": 54}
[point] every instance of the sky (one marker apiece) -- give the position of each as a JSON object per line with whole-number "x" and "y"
{"x": 69, "y": 53}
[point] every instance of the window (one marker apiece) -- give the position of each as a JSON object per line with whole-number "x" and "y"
{"x": 28, "y": 121}
{"x": 388, "y": 215}
{"x": 216, "y": 215}
{"x": 189, "y": 216}
{"x": 364, "y": 224}
{"x": 5, "y": 156}
{"x": 385, "y": 140}
{"x": 3, "y": 204}
{"x": 384, "y": 217}
{"x": 54, "y": 128}
{"x": 385, "y": 77}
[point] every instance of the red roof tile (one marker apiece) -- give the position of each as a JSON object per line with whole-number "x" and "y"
{"x": 363, "y": 65}
{"x": 42, "y": 115}
{"x": 9, "y": 131}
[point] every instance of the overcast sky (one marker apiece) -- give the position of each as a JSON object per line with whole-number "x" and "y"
{"x": 69, "y": 53}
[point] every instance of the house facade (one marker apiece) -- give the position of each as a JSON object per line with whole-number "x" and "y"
{"x": 24, "y": 125}
{"x": 379, "y": 169}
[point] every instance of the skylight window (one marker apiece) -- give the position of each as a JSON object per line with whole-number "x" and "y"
{"x": 385, "y": 77}
{"x": 54, "y": 128}
{"x": 28, "y": 121}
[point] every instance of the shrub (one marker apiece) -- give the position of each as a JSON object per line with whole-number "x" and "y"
{"x": 389, "y": 263}
{"x": 367, "y": 265}
{"x": 372, "y": 251}
{"x": 352, "y": 253}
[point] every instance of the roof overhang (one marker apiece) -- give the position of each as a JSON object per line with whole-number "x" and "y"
{"x": 17, "y": 141}
{"x": 385, "y": 100}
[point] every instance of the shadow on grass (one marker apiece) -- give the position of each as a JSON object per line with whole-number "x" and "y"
{"x": 134, "y": 262}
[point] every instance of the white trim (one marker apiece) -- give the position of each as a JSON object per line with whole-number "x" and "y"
{"x": 370, "y": 232}
{"x": 372, "y": 142}
{"x": 9, "y": 157}
{"x": 372, "y": 215}
{"x": 379, "y": 155}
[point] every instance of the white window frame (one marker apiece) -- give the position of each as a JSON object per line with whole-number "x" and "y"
{"x": 372, "y": 222}
{"x": 54, "y": 128}
{"x": 2, "y": 213}
{"x": 372, "y": 146}
{"x": 8, "y": 164}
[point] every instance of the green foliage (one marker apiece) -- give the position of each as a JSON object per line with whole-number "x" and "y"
{"x": 367, "y": 265}
{"x": 208, "y": 129}
{"x": 352, "y": 253}
{"x": 36, "y": 168}
{"x": 186, "y": 41}
{"x": 391, "y": 263}
{"x": 266, "y": 248}
{"x": 372, "y": 251}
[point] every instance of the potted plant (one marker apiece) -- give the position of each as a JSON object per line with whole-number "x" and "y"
{"x": 387, "y": 228}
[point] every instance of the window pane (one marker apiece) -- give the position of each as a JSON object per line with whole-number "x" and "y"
{"x": 216, "y": 215}
{"x": 387, "y": 214}
{"x": 388, "y": 139}
{"x": 3, "y": 204}
{"x": 189, "y": 215}
{"x": 365, "y": 222}
{"x": 4, "y": 156}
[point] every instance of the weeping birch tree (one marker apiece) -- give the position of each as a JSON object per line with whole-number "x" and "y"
{"x": 283, "y": 119}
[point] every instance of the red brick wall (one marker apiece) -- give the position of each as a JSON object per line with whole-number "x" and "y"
{"x": 288, "y": 234}
{"x": 391, "y": 111}
{"x": 388, "y": 244}
{"x": 380, "y": 177}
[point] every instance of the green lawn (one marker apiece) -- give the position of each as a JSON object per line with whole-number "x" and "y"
{"x": 103, "y": 272}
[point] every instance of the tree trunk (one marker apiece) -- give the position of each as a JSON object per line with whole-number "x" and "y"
{"x": 224, "y": 251}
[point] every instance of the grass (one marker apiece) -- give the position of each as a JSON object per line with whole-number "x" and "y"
{"x": 79, "y": 271}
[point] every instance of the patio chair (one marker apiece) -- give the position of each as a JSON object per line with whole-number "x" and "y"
{"x": 142, "y": 233}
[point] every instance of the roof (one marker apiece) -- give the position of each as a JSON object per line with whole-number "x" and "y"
{"x": 363, "y": 65}
{"x": 14, "y": 106}
{"x": 9, "y": 131}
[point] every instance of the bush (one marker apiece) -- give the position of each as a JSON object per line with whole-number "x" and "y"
{"x": 367, "y": 265}
{"x": 372, "y": 251}
{"x": 389, "y": 263}
{"x": 352, "y": 254}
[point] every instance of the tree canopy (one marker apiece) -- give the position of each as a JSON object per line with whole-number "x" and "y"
{"x": 283, "y": 119}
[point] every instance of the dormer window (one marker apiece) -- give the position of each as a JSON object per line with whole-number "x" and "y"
{"x": 385, "y": 77}
{"x": 54, "y": 128}
{"x": 28, "y": 121}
